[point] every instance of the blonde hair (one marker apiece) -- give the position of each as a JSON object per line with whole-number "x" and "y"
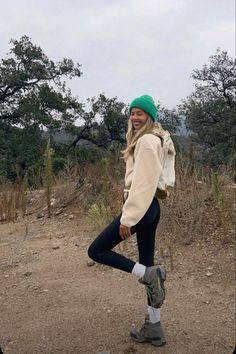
{"x": 132, "y": 136}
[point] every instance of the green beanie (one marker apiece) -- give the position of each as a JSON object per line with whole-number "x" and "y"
{"x": 147, "y": 104}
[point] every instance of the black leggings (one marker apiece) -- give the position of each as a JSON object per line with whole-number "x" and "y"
{"x": 101, "y": 248}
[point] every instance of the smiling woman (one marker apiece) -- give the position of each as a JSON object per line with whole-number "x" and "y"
{"x": 140, "y": 110}
{"x": 138, "y": 118}
{"x": 140, "y": 215}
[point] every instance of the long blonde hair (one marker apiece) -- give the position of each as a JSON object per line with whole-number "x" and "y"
{"x": 132, "y": 136}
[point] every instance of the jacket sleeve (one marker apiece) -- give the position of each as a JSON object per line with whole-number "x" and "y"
{"x": 147, "y": 171}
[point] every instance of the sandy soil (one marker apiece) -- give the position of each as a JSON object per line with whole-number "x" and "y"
{"x": 52, "y": 302}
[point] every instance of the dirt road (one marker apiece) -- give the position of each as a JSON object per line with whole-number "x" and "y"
{"x": 52, "y": 302}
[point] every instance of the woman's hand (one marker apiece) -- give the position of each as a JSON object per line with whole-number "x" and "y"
{"x": 124, "y": 232}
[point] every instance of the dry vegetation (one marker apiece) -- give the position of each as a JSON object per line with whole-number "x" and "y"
{"x": 201, "y": 206}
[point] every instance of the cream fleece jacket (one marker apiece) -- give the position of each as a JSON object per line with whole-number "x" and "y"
{"x": 143, "y": 171}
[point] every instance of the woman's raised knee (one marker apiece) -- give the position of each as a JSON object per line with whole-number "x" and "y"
{"x": 92, "y": 252}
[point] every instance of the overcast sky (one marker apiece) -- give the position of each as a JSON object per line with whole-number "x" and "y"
{"x": 126, "y": 47}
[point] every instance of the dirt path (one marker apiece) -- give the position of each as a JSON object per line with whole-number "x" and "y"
{"x": 52, "y": 302}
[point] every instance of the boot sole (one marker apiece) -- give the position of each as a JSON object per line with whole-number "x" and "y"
{"x": 156, "y": 343}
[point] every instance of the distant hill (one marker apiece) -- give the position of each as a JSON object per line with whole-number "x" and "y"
{"x": 63, "y": 137}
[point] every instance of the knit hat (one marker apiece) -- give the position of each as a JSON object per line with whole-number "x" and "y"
{"x": 147, "y": 104}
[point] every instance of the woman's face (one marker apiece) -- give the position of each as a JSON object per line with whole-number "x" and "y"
{"x": 138, "y": 118}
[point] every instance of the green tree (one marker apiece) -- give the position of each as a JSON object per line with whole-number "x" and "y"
{"x": 20, "y": 151}
{"x": 104, "y": 125}
{"x": 210, "y": 109}
{"x": 33, "y": 97}
{"x": 169, "y": 119}
{"x": 32, "y": 89}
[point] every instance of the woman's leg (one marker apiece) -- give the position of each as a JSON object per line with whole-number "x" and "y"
{"x": 146, "y": 248}
{"x": 146, "y": 232}
{"x": 146, "y": 244}
{"x": 146, "y": 235}
{"x": 151, "y": 331}
{"x": 101, "y": 248}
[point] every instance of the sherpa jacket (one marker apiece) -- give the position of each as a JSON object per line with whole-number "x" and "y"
{"x": 143, "y": 170}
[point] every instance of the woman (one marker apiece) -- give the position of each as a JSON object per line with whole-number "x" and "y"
{"x": 140, "y": 215}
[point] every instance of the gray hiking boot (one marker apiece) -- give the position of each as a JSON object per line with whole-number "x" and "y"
{"x": 149, "y": 332}
{"x": 153, "y": 279}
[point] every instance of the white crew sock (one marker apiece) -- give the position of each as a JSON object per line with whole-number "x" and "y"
{"x": 139, "y": 270}
{"x": 154, "y": 314}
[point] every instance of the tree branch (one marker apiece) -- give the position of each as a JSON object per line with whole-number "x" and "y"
{"x": 5, "y": 93}
{"x": 79, "y": 137}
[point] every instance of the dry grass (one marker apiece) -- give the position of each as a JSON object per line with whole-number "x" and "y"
{"x": 191, "y": 213}
{"x": 13, "y": 201}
